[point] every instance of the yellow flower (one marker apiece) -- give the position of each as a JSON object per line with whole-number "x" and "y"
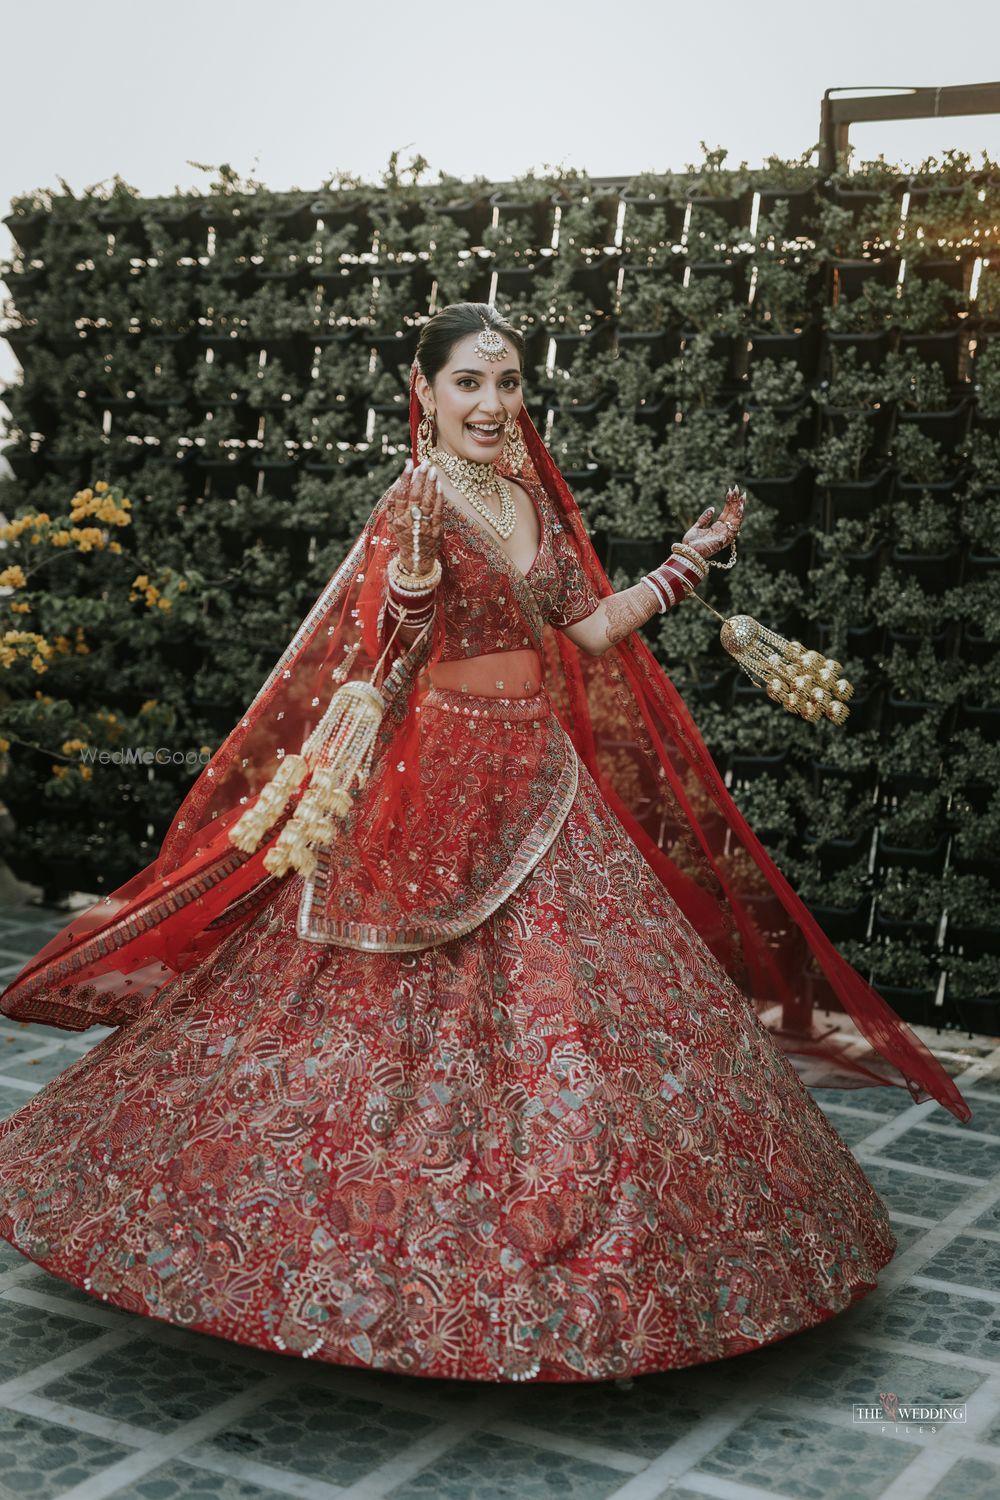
{"x": 81, "y": 649}
{"x": 165, "y": 604}
{"x": 182, "y": 585}
{"x": 4, "y": 745}
{"x": 60, "y": 771}
{"x": 141, "y": 581}
{"x": 68, "y": 746}
{"x": 114, "y": 546}
{"x": 149, "y": 703}
{"x": 60, "y": 538}
{"x": 101, "y": 486}
{"x": 13, "y": 577}
{"x": 62, "y": 645}
{"x": 38, "y": 664}
{"x": 20, "y": 609}
{"x": 86, "y": 772}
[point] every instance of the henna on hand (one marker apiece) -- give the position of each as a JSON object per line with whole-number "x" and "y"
{"x": 707, "y": 536}
{"x": 627, "y": 610}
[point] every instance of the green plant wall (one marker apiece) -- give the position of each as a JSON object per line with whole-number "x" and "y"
{"x": 234, "y": 366}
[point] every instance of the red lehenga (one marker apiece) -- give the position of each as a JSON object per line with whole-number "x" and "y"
{"x": 504, "y": 1090}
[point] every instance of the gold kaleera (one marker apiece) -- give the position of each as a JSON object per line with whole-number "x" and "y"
{"x": 338, "y": 752}
{"x": 803, "y": 681}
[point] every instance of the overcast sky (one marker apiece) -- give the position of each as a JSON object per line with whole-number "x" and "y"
{"x": 291, "y": 92}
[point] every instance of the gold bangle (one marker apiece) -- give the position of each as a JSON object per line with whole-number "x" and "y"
{"x": 695, "y": 558}
{"x": 414, "y": 583}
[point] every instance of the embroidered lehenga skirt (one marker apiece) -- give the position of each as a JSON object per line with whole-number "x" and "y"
{"x": 559, "y": 1145}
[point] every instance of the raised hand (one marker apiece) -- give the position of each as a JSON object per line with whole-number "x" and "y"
{"x": 707, "y": 536}
{"x": 417, "y": 487}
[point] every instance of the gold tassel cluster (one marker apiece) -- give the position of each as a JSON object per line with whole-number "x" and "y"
{"x": 805, "y": 682}
{"x": 338, "y": 752}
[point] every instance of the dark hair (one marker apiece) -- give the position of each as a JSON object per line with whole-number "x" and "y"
{"x": 443, "y": 331}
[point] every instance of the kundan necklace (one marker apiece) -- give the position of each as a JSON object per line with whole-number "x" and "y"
{"x": 475, "y": 481}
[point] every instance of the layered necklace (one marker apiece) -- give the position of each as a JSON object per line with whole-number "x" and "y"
{"x": 476, "y": 481}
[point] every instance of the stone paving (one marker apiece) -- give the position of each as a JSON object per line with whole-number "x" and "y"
{"x": 97, "y": 1402}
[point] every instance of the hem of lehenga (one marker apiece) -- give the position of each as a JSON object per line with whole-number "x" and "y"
{"x": 431, "y": 933}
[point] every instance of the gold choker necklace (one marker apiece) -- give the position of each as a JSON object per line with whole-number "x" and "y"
{"x": 475, "y": 481}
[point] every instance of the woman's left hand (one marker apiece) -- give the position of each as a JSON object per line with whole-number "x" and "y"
{"x": 707, "y": 536}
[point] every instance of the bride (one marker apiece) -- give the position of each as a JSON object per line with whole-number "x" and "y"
{"x": 460, "y": 1027}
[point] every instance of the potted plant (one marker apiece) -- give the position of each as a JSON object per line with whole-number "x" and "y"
{"x": 974, "y": 991}
{"x": 780, "y": 416}
{"x": 906, "y": 976}
{"x": 972, "y": 906}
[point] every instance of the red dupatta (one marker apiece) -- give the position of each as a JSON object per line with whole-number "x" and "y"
{"x": 635, "y": 734}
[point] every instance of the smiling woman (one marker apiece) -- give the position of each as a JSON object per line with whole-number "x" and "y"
{"x": 494, "y": 1082}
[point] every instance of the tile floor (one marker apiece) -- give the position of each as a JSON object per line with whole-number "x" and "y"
{"x": 96, "y": 1402}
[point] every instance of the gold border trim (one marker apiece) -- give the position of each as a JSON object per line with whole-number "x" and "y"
{"x": 369, "y": 938}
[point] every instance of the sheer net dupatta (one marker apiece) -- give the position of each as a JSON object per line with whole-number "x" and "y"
{"x": 111, "y": 960}
{"x": 635, "y": 734}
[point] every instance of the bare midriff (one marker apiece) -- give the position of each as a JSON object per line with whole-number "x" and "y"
{"x": 500, "y": 674}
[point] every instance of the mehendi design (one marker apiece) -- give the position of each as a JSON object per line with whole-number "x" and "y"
{"x": 626, "y": 611}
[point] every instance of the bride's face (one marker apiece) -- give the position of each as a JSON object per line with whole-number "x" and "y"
{"x": 469, "y": 390}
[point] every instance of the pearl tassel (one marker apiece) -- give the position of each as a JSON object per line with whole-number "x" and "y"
{"x": 337, "y": 752}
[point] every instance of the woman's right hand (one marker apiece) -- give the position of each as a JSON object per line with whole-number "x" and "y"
{"x": 417, "y": 487}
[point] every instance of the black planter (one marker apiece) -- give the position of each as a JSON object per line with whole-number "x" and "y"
{"x": 662, "y": 344}
{"x": 734, "y": 211}
{"x": 980, "y": 1015}
{"x": 948, "y": 428}
{"x": 942, "y": 489}
{"x": 538, "y": 212}
{"x": 975, "y": 647}
{"x": 803, "y": 204}
{"x": 639, "y": 207}
{"x": 843, "y": 922}
{"x": 803, "y": 347}
{"x": 930, "y": 859}
{"x": 791, "y": 495}
{"x": 880, "y": 421}
{"x": 335, "y": 214}
{"x": 870, "y": 348}
{"x": 854, "y": 499}
{"x": 793, "y": 555}
{"x": 824, "y": 774}
{"x": 974, "y": 942}
{"x": 915, "y": 1006}
{"x": 903, "y": 931}
{"x": 898, "y": 709}
{"x": 862, "y": 564}
{"x": 947, "y": 350}
{"x": 749, "y": 767}
{"x": 865, "y": 709}
{"x": 934, "y": 571}
{"x": 982, "y": 716}
{"x": 849, "y": 277}
{"x": 862, "y": 641}
{"x": 838, "y": 854}
{"x": 979, "y": 564}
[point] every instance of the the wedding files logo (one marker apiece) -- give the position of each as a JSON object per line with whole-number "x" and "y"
{"x": 914, "y": 1414}
{"x": 140, "y": 755}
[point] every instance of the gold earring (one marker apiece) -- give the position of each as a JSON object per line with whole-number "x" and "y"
{"x": 426, "y": 437}
{"x": 513, "y": 454}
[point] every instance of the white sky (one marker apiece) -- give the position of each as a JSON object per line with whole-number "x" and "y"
{"x": 290, "y": 91}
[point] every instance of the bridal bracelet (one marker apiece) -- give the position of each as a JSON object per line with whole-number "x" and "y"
{"x": 411, "y": 596}
{"x": 675, "y": 578}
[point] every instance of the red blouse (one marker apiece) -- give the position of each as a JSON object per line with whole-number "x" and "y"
{"x": 476, "y": 600}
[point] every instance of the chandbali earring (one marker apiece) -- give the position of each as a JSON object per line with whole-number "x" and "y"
{"x": 513, "y": 454}
{"x": 426, "y": 437}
